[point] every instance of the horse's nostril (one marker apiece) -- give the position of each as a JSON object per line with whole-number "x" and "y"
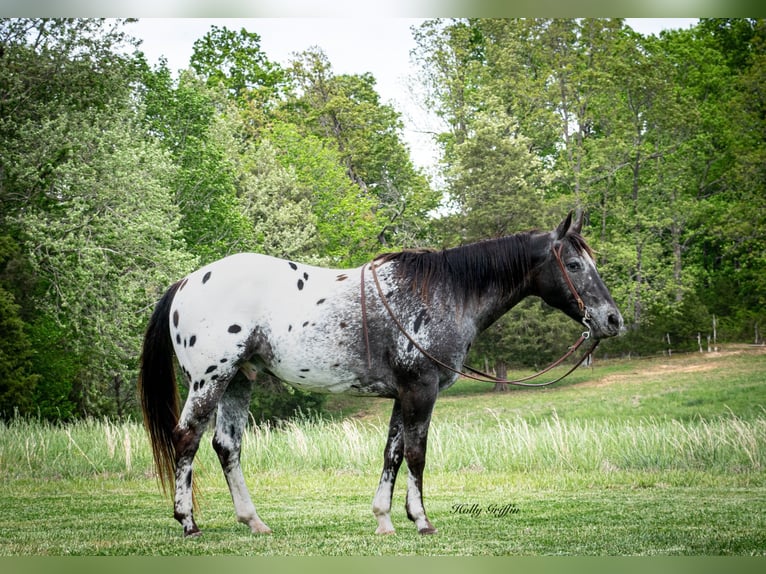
{"x": 613, "y": 320}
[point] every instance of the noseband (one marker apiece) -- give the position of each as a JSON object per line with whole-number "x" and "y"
{"x": 476, "y": 374}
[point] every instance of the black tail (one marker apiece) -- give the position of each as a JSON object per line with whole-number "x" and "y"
{"x": 157, "y": 388}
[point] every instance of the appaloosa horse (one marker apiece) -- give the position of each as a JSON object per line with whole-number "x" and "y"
{"x": 329, "y": 330}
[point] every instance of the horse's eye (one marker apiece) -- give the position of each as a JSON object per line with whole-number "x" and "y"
{"x": 574, "y": 266}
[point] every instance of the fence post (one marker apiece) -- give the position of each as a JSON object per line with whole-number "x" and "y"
{"x": 667, "y": 337}
{"x": 715, "y": 334}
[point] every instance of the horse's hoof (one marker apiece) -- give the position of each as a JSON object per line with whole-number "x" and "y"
{"x": 428, "y": 530}
{"x": 385, "y": 531}
{"x": 196, "y": 533}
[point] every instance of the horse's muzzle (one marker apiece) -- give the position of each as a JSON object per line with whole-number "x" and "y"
{"x": 606, "y": 322}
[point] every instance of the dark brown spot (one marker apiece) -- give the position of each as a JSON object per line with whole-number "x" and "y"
{"x": 210, "y": 369}
{"x": 306, "y": 276}
{"x": 206, "y": 277}
{"x": 304, "y": 370}
{"x": 234, "y": 328}
{"x": 306, "y": 324}
{"x": 342, "y": 277}
{"x": 289, "y": 328}
{"x": 300, "y": 284}
{"x": 419, "y": 320}
{"x": 192, "y": 340}
{"x": 224, "y": 360}
{"x": 320, "y": 301}
{"x": 343, "y": 325}
{"x": 196, "y": 385}
{"x": 178, "y": 338}
{"x": 336, "y": 364}
{"x": 175, "y": 318}
{"x": 293, "y": 266}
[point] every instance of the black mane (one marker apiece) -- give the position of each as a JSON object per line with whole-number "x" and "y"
{"x": 501, "y": 264}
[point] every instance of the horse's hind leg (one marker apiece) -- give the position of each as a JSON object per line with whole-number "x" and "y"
{"x": 230, "y": 424}
{"x": 392, "y": 460}
{"x": 194, "y": 419}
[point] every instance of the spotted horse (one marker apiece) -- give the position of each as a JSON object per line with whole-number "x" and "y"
{"x": 335, "y": 330}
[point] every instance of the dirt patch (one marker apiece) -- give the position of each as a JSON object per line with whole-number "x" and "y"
{"x": 639, "y": 376}
{"x": 697, "y": 363}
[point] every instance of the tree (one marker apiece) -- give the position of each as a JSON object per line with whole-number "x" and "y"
{"x": 345, "y": 223}
{"x": 280, "y": 211}
{"x": 101, "y": 250}
{"x": 17, "y": 379}
{"x": 346, "y": 111}
{"x": 198, "y": 126}
{"x": 235, "y": 61}
{"x": 730, "y": 252}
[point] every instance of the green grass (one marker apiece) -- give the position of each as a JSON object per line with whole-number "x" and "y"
{"x": 643, "y": 457}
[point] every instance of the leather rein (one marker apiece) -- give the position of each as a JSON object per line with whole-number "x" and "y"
{"x": 476, "y": 374}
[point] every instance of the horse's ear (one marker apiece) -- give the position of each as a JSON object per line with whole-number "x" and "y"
{"x": 577, "y": 225}
{"x": 563, "y": 227}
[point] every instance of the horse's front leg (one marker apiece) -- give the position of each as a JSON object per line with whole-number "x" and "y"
{"x": 392, "y": 460}
{"x": 417, "y": 405}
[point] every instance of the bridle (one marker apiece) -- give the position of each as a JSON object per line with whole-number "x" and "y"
{"x": 476, "y": 374}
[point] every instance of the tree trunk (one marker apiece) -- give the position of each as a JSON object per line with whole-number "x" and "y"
{"x": 501, "y": 372}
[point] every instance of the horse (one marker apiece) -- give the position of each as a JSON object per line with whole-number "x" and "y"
{"x": 331, "y": 330}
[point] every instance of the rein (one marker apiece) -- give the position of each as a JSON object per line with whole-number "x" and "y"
{"x": 476, "y": 374}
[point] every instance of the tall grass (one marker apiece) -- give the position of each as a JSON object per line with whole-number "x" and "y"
{"x": 724, "y": 444}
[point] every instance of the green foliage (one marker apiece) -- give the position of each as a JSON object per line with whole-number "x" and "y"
{"x": 345, "y": 110}
{"x": 236, "y": 61}
{"x": 279, "y": 210}
{"x": 17, "y": 380}
{"x": 345, "y": 220}
{"x": 203, "y": 146}
{"x": 56, "y": 390}
{"x": 101, "y": 254}
{"x": 274, "y": 401}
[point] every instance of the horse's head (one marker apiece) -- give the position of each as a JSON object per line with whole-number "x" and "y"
{"x": 569, "y": 281}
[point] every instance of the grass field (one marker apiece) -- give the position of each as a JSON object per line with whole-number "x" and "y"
{"x": 645, "y": 457}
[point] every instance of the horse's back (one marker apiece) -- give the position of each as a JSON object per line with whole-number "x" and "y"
{"x": 295, "y": 320}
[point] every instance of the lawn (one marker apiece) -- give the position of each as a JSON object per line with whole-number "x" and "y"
{"x": 644, "y": 457}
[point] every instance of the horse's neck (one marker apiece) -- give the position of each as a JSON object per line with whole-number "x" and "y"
{"x": 496, "y": 302}
{"x": 489, "y": 309}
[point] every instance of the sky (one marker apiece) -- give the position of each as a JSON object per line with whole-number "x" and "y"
{"x": 380, "y": 46}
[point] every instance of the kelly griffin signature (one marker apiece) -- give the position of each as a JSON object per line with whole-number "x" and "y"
{"x": 476, "y": 510}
